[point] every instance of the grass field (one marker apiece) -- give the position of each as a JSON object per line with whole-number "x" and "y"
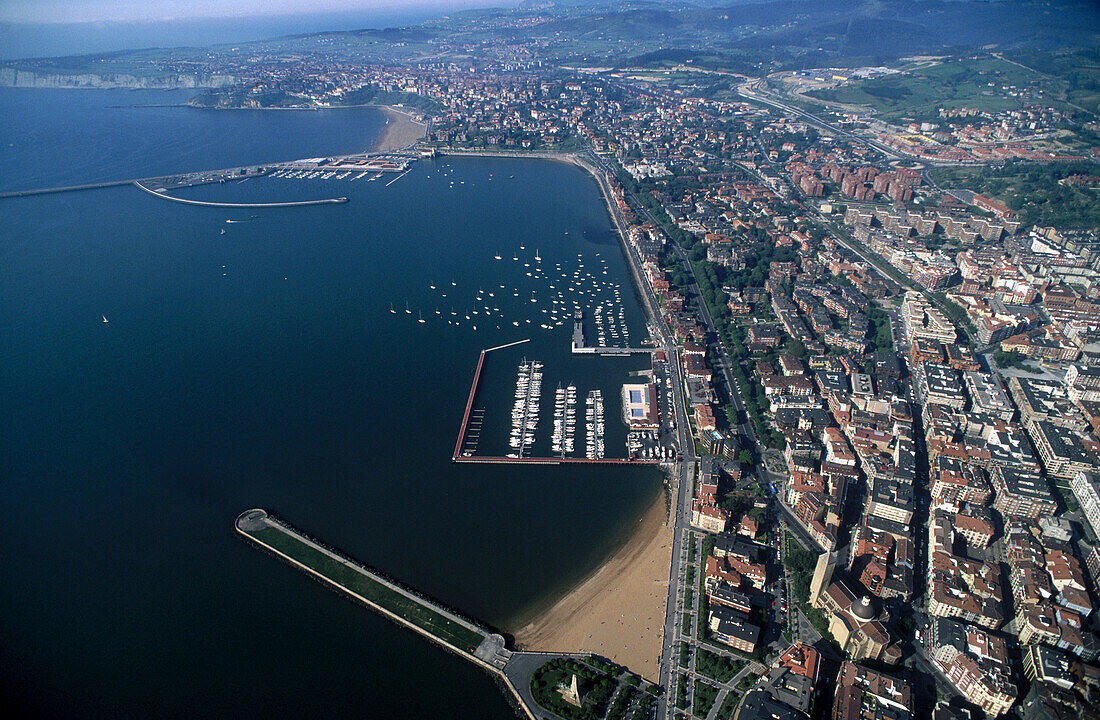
{"x": 989, "y": 84}
{"x": 1037, "y": 193}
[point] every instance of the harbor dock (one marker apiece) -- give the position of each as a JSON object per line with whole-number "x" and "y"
{"x": 463, "y": 453}
{"x": 360, "y": 163}
{"x": 462, "y": 430}
{"x": 504, "y": 460}
{"x": 579, "y": 347}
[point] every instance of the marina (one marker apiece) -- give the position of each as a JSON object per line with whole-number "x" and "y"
{"x": 565, "y": 421}
{"x": 594, "y": 426}
{"x": 578, "y": 345}
{"x": 346, "y": 167}
{"x": 525, "y": 410}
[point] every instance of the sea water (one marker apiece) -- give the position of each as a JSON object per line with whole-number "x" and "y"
{"x": 262, "y": 367}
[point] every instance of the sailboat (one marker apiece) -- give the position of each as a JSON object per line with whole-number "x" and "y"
{"x": 105, "y": 319}
{"x": 537, "y": 258}
{"x": 497, "y": 256}
{"x": 420, "y": 318}
{"x": 407, "y": 311}
{"x": 392, "y": 310}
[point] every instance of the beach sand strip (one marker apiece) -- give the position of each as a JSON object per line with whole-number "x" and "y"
{"x": 618, "y": 612}
{"x": 402, "y": 130}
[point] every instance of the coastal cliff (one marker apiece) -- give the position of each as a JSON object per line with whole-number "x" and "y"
{"x": 14, "y": 77}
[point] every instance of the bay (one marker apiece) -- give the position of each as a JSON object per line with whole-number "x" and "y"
{"x": 262, "y": 367}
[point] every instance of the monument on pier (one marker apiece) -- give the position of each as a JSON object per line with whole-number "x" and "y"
{"x": 572, "y": 693}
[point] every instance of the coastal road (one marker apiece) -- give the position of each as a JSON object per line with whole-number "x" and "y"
{"x": 753, "y": 91}
{"x": 682, "y": 473}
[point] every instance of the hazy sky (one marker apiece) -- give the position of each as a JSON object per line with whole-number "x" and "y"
{"x": 113, "y": 11}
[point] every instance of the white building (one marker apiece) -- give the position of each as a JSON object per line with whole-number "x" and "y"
{"x": 1086, "y": 488}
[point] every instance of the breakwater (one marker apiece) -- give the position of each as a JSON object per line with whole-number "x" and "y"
{"x": 424, "y": 616}
{"x": 473, "y": 393}
{"x": 66, "y": 188}
{"x": 205, "y": 203}
{"x": 429, "y": 619}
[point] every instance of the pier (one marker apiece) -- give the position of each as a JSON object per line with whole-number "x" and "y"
{"x": 67, "y": 188}
{"x": 458, "y": 453}
{"x": 504, "y": 460}
{"x": 578, "y": 347}
{"x": 429, "y": 619}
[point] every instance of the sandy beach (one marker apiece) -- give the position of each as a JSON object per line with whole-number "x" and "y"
{"x": 402, "y": 130}
{"x": 617, "y": 612}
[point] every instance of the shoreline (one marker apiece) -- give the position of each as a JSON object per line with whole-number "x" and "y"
{"x": 402, "y": 130}
{"x": 631, "y": 583}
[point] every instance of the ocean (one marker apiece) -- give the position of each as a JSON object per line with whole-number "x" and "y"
{"x": 32, "y": 34}
{"x": 262, "y": 367}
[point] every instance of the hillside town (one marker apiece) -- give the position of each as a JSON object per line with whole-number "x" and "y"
{"x": 893, "y": 390}
{"x": 817, "y": 283}
{"x": 891, "y": 386}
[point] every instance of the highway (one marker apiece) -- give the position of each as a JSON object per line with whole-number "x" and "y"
{"x": 752, "y": 91}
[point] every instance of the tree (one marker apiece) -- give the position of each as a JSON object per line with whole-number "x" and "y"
{"x": 745, "y": 457}
{"x": 796, "y": 348}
